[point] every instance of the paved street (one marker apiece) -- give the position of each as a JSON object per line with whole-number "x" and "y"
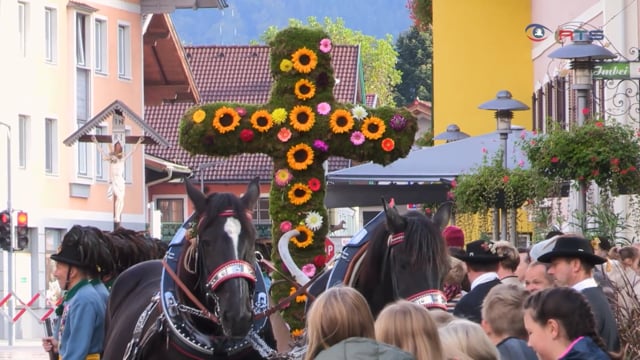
{"x": 22, "y": 350}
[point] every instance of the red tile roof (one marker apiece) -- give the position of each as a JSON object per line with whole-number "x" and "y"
{"x": 239, "y": 74}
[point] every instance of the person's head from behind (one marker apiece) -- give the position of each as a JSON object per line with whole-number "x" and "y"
{"x": 502, "y": 312}
{"x": 537, "y": 278}
{"x": 464, "y": 339}
{"x": 556, "y": 317}
{"x": 337, "y": 314}
{"x": 629, "y": 257}
{"x": 510, "y": 258}
{"x": 409, "y": 327}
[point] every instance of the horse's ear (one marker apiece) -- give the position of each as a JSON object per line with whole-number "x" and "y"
{"x": 196, "y": 196}
{"x": 395, "y": 222}
{"x": 443, "y": 215}
{"x": 251, "y": 196}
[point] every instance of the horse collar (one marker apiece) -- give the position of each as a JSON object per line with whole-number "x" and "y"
{"x": 430, "y": 299}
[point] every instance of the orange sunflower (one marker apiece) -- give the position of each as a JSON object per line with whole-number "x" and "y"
{"x": 304, "y": 60}
{"x": 341, "y": 121}
{"x": 304, "y": 239}
{"x": 299, "y": 194}
{"x": 302, "y": 118}
{"x": 373, "y": 128}
{"x": 226, "y": 119}
{"x": 300, "y": 156}
{"x": 261, "y": 120}
{"x": 304, "y": 89}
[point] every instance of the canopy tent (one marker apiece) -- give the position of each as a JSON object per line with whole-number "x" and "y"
{"x": 425, "y": 175}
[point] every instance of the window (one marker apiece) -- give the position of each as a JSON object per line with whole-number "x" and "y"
{"x": 101, "y": 164}
{"x": 50, "y": 34}
{"x": 261, "y": 211}
{"x": 52, "y": 240}
{"x": 82, "y": 116}
{"x": 23, "y": 131}
{"x": 172, "y": 210}
{"x": 124, "y": 51}
{"x": 81, "y": 40}
{"x": 51, "y": 146}
{"x": 22, "y": 27}
{"x": 101, "y": 46}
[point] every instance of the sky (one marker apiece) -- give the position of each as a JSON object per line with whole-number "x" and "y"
{"x": 245, "y": 20}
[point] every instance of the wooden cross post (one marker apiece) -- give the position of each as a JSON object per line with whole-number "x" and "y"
{"x": 299, "y": 128}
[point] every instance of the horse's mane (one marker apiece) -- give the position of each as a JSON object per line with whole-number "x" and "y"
{"x": 129, "y": 247}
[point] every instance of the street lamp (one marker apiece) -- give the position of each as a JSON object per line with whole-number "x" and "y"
{"x": 582, "y": 53}
{"x": 504, "y": 106}
{"x": 202, "y": 167}
{"x": 452, "y": 133}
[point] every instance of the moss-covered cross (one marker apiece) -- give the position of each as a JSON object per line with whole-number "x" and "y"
{"x": 299, "y": 128}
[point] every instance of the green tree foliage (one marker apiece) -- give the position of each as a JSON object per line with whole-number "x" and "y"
{"x": 415, "y": 56}
{"x": 378, "y": 56}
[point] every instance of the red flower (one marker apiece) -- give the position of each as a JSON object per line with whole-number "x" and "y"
{"x": 595, "y": 172}
{"x": 319, "y": 261}
{"x": 246, "y": 135}
{"x": 505, "y": 179}
{"x": 615, "y": 161}
{"x": 454, "y": 183}
{"x": 585, "y": 111}
{"x": 599, "y": 124}
{"x": 594, "y": 158}
{"x": 624, "y": 172}
{"x": 427, "y": 212}
{"x": 388, "y": 144}
{"x": 450, "y": 195}
{"x": 314, "y": 184}
{"x": 554, "y": 159}
{"x": 632, "y": 168}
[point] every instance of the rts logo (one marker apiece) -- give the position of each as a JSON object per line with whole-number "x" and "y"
{"x": 537, "y": 32}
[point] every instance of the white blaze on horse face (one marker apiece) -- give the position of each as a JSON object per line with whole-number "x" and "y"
{"x": 232, "y": 227}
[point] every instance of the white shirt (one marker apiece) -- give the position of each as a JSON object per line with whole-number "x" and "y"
{"x": 585, "y": 284}
{"x": 484, "y": 278}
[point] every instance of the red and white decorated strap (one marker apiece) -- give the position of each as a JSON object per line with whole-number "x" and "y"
{"x": 430, "y": 299}
{"x": 230, "y": 270}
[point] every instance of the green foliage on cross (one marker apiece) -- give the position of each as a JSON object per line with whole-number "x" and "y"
{"x": 299, "y": 128}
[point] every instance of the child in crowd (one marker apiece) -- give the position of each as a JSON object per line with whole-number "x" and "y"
{"x": 409, "y": 327}
{"x": 561, "y": 326}
{"x": 340, "y": 326}
{"x": 465, "y": 340}
{"x": 502, "y": 320}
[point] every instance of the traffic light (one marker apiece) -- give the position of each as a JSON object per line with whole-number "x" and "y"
{"x": 22, "y": 233}
{"x": 5, "y": 230}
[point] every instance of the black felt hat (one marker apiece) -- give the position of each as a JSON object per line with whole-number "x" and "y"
{"x": 572, "y": 246}
{"x": 480, "y": 251}
{"x": 70, "y": 255}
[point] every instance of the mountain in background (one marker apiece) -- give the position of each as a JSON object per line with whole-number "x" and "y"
{"x": 245, "y": 20}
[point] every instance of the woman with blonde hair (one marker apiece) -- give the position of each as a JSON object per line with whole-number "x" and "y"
{"x": 340, "y": 326}
{"x": 465, "y": 339}
{"x": 409, "y": 327}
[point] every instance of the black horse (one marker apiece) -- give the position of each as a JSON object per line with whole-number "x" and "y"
{"x": 394, "y": 257}
{"x": 199, "y": 302}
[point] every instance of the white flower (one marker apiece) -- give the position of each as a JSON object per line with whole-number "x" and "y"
{"x": 359, "y": 112}
{"x": 313, "y": 221}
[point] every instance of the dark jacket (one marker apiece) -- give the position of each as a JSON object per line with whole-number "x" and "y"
{"x": 515, "y": 349}
{"x": 585, "y": 349}
{"x": 470, "y": 305}
{"x": 605, "y": 321}
{"x": 357, "y": 348}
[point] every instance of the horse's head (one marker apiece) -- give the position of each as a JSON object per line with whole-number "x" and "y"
{"x": 225, "y": 255}
{"x": 416, "y": 256}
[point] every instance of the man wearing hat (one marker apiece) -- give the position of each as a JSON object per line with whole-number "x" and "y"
{"x": 572, "y": 261}
{"x": 79, "y": 332}
{"x": 482, "y": 266}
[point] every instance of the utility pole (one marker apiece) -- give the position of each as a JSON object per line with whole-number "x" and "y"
{"x": 11, "y": 304}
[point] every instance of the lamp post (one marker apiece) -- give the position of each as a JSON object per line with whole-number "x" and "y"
{"x": 582, "y": 53}
{"x": 452, "y": 133}
{"x": 504, "y": 106}
{"x": 10, "y": 251}
{"x": 201, "y": 167}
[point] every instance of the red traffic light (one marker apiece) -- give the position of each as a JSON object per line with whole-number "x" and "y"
{"x": 5, "y": 218}
{"x": 23, "y": 219}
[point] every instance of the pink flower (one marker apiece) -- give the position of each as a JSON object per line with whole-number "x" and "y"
{"x": 523, "y": 134}
{"x": 284, "y": 135}
{"x": 484, "y": 150}
{"x": 554, "y": 159}
{"x": 454, "y": 183}
{"x": 325, "y": 45}
{"x": 599, "y": 124}
{"x": 321, "y": 145}
{"x": 241, "y": 111}
{"x": 357, "y": 138}
{"x": 309, "y": 270}
{"x": 521, "y": 163}
{"x": 585, "y": 111}
{"x": 283, "y": 177}
{"x": 323, "y": 108}
{"x": 285, "y": 226}
{"x": 505, "y": 179}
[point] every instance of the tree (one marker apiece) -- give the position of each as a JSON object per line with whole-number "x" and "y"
{"x": 421, "y": 13}
{"x": 378, "y": 55}
{"x": 415, "y": 59}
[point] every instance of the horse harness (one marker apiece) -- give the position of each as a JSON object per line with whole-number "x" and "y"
{"x": 429, "y": 299}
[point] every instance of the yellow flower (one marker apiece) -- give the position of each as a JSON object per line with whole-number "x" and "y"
{"x": 341, "y": 121}
{"x": 299, "y": 194}
{"x": 301, "y": 298}
{"x": 302, "y": 118}
{"x": 373, "y": 128}
{"x": 226, "y": 119}
{"x": 304, "y": 60}
{"x": 297, "y": 333}
{"x": 261, "y": 120}
{"x": 300, "y": 156}
{"x": 304, "y": 89}
{"x": 286, "y": 65}
{"x": 304, "y": 239}
{"x": 279, "y": 115}
{"x": 198, "y": 116}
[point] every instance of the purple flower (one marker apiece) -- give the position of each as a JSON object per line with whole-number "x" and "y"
{"x": 357, "y": 138}
{"x": 321, "y": 145}
{"x": 398, "y": 122}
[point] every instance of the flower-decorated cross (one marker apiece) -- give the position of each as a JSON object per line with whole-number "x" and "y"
{"x": 299, "y": 128}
